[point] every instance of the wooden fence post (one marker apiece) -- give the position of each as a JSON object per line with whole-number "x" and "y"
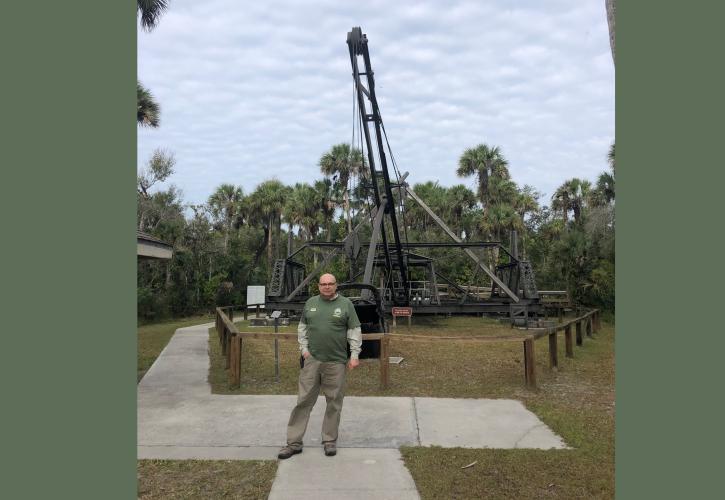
{"x": 553, "y": 348}
{"x": 529, "y": 363}
{"x": 579, "y": 340}
{"x": 227, "y": 342}
{"x": 384, "y": 361}
{"x": 568, "y": 341}
{"x": 235, "y": 361}
{"x": 589, "y": 326}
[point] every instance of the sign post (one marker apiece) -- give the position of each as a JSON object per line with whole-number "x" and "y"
{"x": 402, "y": 311}
{"x": 276, "y": 315}
{"x": 255, "y": 297}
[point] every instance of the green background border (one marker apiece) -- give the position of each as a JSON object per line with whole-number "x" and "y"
{"x": 68, "y": 203}
{"x": 670, "y": 84}
{"x": 69, "y": 265}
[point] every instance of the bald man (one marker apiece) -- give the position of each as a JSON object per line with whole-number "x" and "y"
{"x": 328, "y": 323}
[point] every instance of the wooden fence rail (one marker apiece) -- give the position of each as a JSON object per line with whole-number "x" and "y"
{"x": 231, "y": 338}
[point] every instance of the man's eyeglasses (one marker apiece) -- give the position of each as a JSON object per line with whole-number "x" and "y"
{"x": 328, "y": 284}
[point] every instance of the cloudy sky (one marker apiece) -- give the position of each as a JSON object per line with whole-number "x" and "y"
{"x": 254, "y": 90}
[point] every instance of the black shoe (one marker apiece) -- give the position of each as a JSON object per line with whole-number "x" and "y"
{"x": 287, "y": 452}
{"x": 330, "y": 449}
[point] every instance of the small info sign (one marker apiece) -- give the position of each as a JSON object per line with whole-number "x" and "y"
{"x": 402, "y": 311}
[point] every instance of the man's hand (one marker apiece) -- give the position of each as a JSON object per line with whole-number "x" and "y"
{"x": 352, "y": 363}
{"x": 306, "y": 354}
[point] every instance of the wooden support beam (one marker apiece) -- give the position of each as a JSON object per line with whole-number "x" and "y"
{"x": 384, "y": 361}
{"x": 468, "y": 251}
{"x": 589, "y": 326}
{"x": 322, "y": 264}
{"x": 569, "y": 342}
{"x": 268, "y": 335}
{"x": 372, "y": 250}
{"x": 484, "y": 339}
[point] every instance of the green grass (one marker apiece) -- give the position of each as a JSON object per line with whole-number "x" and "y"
{"x": 576, "y": 401}
{"x": 152, "y": 338}
{"x": 182, "y": 479}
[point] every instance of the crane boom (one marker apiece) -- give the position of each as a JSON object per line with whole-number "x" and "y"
{"x": 370, "y": 113}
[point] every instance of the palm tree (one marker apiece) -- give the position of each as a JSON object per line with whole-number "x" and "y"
{"x": 572, "y": 195}
{"x": 434, "y": 196}
{"x": 560, "y": 201}
{"x": 500, "y": 217}
{"x": 302, "y": 209}
{"x": 526, "y": 202}
{"x": 484, "y": 162}
{"x": 225, "y": 204}
{"x": 324, "y": 191}
{"x": 581, "y": 196}
{"x": 267, "y": 202}
{"x": 603, "y": 194}
{"x": 147, "y": 110}
{"x": 150, "y": 12}
{"x": 341, "y": 163}
{"x": 502, "y": 191}
{"x": 459, "y": 200}
{"x": 610, "y": 158}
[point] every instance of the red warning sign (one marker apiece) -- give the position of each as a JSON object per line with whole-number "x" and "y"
{"x": 402, "y": 311}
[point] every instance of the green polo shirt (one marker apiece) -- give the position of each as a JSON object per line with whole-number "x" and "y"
{"x": 327, "y": 324}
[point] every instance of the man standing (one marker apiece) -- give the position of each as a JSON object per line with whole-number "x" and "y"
{"x": 328, "y": 323}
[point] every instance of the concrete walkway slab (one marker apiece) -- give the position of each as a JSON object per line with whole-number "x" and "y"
{"x": 354, "y": 473}
{"x": 247, "y": 420}
{"x": 482, "y": 423}
{"x": 179, "y": 418}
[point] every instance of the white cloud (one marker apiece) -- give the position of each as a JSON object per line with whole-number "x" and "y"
{"x": 254, "y": 90}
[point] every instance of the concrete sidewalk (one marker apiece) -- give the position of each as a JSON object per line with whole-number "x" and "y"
{"x": 179, "y": 418}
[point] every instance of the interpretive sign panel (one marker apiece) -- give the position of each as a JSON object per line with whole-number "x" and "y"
{"x": 255, "y": 295}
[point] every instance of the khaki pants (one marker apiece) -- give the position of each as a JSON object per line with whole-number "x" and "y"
{"x": 316, "y": 375}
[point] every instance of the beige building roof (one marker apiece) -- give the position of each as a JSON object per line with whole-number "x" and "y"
{"x": 150, "y": 247}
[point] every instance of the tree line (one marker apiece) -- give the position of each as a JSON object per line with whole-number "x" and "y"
{"x": 232, "y": 239}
